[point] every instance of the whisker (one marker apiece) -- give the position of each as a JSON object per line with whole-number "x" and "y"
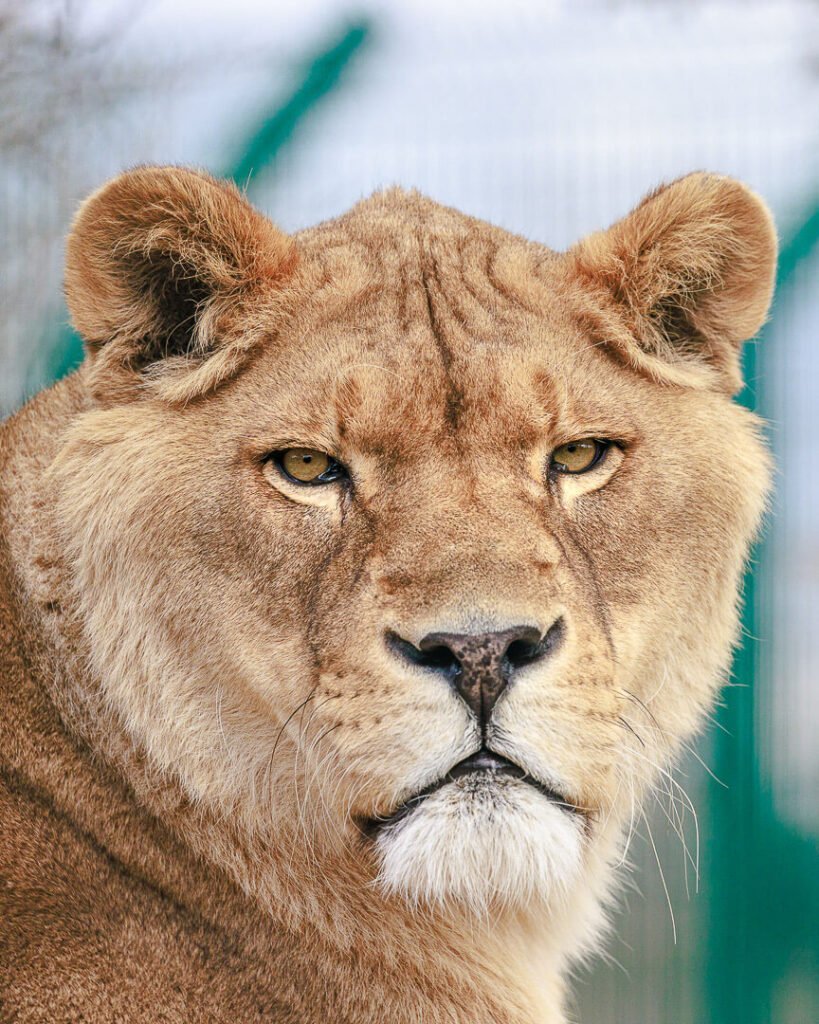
{"x": 662, "y": 879}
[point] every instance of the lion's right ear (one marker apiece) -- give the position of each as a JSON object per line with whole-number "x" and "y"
{"x": 164, "y": 267}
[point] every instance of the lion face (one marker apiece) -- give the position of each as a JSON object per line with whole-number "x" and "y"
{"x": 330, "y": 568}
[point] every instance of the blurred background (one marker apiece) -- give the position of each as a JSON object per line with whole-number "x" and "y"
{"x": 550, "y": 119}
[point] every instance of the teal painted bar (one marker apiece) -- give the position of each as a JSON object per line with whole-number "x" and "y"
{"x": 321, "y": 74}
{"x": 763, "y": 877}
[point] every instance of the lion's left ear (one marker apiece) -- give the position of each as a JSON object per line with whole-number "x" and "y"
{"x": 685, "y": 278}
{"x": 166, "y": 269}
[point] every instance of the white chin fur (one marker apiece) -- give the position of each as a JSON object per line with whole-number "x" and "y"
{"x": 480, "y": 841}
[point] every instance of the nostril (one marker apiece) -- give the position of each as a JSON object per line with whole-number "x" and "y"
{"x": 521, "y": 652}
{"x": 436, "y": 656}
{"x": 439, "y": 657}
{"x": 528, "y": 649}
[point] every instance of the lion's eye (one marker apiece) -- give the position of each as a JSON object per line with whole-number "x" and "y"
{"x": 578, "y": 456}
{"x": 308, "y": 466}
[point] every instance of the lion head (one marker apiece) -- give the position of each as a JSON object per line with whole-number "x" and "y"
{"x": 407, "y": 543}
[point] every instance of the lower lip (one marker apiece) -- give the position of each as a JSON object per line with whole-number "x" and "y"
{"x": 497, "y": 767}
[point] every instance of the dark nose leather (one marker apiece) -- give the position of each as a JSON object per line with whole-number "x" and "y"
{"x": 480, "y": 665}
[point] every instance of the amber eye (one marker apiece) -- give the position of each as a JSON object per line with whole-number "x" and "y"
{"x": 308, "y": 466}
{"x": 578, "y": 456}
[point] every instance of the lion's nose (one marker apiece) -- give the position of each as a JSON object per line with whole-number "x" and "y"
{"x": 480, "y": 665}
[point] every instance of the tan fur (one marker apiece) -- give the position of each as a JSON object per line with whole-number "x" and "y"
{"x": 199, "y": 709}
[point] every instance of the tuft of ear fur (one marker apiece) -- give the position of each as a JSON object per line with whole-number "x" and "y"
{"x": 164, "y": 269}
{"x": 684, "y": 279}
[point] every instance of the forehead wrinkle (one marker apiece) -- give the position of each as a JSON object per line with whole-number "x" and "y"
{"x": 398, "y": 262}
{"x": 408, "y": 346}
{"x": 436, "y": 303}
{"x": 584, "y": 406}
{"x": 483, "y": 304}
{"x": 383, "y": 410}
{"x": 362, "y": 393}
{"x": 475, "y": 328}
{"x": 577, "y": 394}
{"x": 336, "y": 280}
{"x": 438, "y": 310}
{"x": 552, "y": 398}
{"x": 468, "y": 339}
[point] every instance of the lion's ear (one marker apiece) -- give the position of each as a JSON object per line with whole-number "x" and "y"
{"x": 164, "y": 267}
{"x": 690, "y": 275}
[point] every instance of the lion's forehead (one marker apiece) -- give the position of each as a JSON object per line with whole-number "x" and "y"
{"x": 416, "y": 330}
{"x": 402, "y": 260}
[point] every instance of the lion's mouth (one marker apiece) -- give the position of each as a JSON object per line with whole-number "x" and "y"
{"x": 484, "y": 760}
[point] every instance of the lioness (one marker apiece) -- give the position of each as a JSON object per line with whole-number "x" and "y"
{"x": 354, "y": 591}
